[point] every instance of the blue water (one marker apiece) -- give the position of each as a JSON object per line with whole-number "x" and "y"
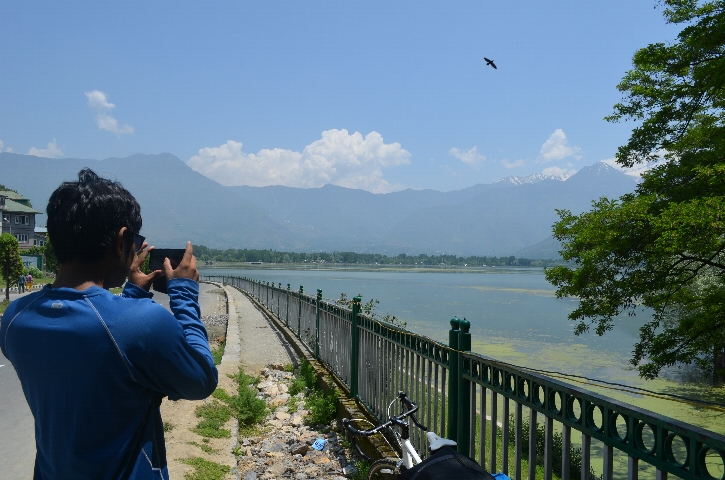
{"x": 515, "y": 317}
{"x": 514, "y": 305}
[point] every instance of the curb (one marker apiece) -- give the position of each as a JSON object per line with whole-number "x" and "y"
{"x": 231, "y": 357}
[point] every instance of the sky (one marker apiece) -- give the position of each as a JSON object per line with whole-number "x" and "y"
{"x": 380, "y": 96}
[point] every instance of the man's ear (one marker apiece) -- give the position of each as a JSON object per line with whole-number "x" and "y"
{"x": 121, "y": 247}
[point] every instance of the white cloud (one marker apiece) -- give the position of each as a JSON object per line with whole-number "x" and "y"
{"x": 98, "y": 101}
{"x": 51, "y": 152}
{"x": 2, "y": 149}
{"x": 558, "y": 171}
{"x": 471, "y": 157}
{"x": 557, "y": 147}
{"x": 339, "y": 158}
{"x": 514, "y": 164}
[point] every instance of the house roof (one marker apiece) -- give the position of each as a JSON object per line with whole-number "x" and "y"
{"x": 15, "y": 207}
{"x": 10, "y": 195}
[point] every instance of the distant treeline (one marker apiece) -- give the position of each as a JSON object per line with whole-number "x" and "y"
{"x": 204, "y": 253}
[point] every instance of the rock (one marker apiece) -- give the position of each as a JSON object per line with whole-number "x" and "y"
{"x": 279, "y": 400}
{"x": 284, "y": 449}
{"x": 299, "y": 448}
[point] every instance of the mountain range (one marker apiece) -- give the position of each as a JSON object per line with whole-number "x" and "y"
{"x": 510, "y": 217}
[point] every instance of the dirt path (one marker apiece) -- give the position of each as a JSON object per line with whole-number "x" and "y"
{"x": 252, "y": 342}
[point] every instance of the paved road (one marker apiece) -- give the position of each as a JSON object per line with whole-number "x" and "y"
{"x": 17, "y": 436}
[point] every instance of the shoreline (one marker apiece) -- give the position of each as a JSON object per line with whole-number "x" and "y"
{"x": 365, "y": 267}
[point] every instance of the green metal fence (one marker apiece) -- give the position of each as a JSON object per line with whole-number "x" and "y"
{"x": 482, "y": 403}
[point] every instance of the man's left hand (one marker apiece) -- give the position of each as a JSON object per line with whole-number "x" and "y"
{"x": 136, "y": 276}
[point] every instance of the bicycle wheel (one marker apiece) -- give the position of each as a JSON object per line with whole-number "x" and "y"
{"x": 384, "y": 469}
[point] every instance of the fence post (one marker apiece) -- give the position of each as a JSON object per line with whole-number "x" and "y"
{"x": 453, "y": 380}
{"x": 317, "y": 323}
{"x": 464, "y": 390}
{"x": 299, "y": 312}
{"x": 355, "y": 346}
{"x": 267, "y": 305}
{"x": 286, "y": 317}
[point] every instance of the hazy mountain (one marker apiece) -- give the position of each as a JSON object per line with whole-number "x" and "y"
{"x": 177, "y": 203}
{"x": 180, "y": 204}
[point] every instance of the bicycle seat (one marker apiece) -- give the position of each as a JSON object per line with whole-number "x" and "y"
{"x": 435, "y": 442}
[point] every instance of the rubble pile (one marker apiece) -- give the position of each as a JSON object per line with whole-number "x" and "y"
{"x": 290, "y": 448}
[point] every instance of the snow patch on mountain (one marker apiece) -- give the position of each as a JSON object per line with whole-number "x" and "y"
{"x": 535, "y": 178}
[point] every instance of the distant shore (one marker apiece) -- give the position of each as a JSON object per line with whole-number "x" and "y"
{"x": 360, "y": 267}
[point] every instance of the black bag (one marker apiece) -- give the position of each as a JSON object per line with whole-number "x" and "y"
{"x": 446, "y": 464}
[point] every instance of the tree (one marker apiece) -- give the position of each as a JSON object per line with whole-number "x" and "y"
{"x": 663, "y": 246}
{"x": 12, "y": 265}
{"x": 51, "y": 263}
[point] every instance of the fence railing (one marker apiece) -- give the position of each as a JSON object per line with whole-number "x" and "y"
{"x": 486, "y": 405}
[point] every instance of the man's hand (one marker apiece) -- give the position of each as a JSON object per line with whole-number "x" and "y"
{"x": 136, "y": 276}
{"x": 187, "y": 267}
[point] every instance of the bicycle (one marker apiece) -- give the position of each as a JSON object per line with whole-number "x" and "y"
{"x": 385, "y": 468}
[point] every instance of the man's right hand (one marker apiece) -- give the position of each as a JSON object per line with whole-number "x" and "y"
{"x": 186, "y": 268}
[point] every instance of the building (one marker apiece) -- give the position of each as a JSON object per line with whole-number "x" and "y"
{"x": 41, "y": 236}
{"x": 18, "y": 218}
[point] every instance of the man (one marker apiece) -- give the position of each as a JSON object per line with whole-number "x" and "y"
{"x": 29, "y": 282}
{"x": 21, "y": 283}
{"x": 95, "y": 366}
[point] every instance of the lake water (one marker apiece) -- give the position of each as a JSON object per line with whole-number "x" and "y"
{"x": 515, "y": 317}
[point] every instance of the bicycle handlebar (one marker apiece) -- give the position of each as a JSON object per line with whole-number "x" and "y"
{"x": 395, "y": 420}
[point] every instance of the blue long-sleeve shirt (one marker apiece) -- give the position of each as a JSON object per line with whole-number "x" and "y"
{"x": 94, "y": 367}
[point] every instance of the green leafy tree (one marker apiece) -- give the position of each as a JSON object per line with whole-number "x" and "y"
{"x": 661, "y": 247}
{"x": 51, "y": 263}
{"x": 12, "y": 265}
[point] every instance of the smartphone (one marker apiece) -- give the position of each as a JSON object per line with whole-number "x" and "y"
{"x": 156, "y": 262}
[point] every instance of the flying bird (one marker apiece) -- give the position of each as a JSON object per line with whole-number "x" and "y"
{"x": 490, "y": 62}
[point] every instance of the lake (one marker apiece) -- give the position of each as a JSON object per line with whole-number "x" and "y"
{"x": 516, "y": 318}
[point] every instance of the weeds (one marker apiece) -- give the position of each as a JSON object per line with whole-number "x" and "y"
{"x": 205, "y": 470}
{"x": 297, "y": 386}
{"x": 214, "y": 415}
{"x": 361, "y": 471}
{"x": 322, "y": 407}
{"x": 289, "y": 368}
{"x": 204, "y": 448}
{"x": 218, "y": 352}
{"x": 308, "y": 374}
{"x": 294, "y": 405}
{"x": 245, "y": 406}
{"x": 168, "y": 426}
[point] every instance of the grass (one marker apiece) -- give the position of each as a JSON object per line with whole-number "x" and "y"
{"x": 204, "y": 448}
{"x": 168, "y": 426}
{"x": 322, "y": 407}
{"x": 214, "y": 415}
{"x": 205, "y": 470}
{"x": 245, "y": 407}
{"x": 362, "y": 468}
{"x": 3, "y": 305}
{"x": 293, "y": 405}
{"x": 218, "y": 352}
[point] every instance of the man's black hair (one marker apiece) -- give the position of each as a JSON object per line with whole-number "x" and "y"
{"x": 84, "y": 217}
